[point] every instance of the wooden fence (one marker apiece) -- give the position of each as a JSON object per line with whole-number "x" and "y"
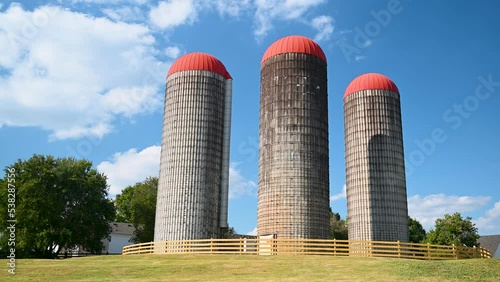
{"x": 333, "y": 247}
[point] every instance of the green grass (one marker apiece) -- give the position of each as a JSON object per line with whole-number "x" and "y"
{"x": 250, "y": 268}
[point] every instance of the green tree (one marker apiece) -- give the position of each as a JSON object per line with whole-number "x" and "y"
{"x": 123, "y": 203}
{"x": 60, "y": 203}
{"x": 416, "y": 231}
{"x": 338, "y": 227}
{"x": 453, "y": 229}
{"x": 137, "y": 205}
{"x": 229, "y": 232}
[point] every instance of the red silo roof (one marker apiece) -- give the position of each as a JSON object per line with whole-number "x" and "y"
{"x": 369, "y": 81}
{"x": 294, "y": 44}
{"x": 199, "y": 61}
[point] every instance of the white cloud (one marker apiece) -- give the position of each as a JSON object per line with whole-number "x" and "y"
{"x": 253, "y": 232}
{"x": 238, "y": 185}
{"x": 172, "y": 52}
{"x": 126, "y": 13}
{"x": 341, "y": 195}
{"x": 270, "y": 10}
{"x": 490, "y": 221}
{"x": 324, "y": 27}
{"x": 173, "y": 13}
{"x": 130, "y": 167}
{"x": 367, "y": 43}
{"x": 232, "y": 8}
{"x": 359, "y": 58}
{"x": 427, "y": 209}
{"x": 72, "y": 74}
{"x": 109, "y": 2}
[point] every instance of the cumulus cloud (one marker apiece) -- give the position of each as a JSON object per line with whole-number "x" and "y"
{"x": 72, "y": 74}
{"x": 268, "y": 11}
{"x": 231, "y": 8}
{"x": 427, "y": 209}
{"x": 130, "y": 167}
{"x": 172, "y": 52}
{"x": 253, "y": 232}
{"x": 173, "y": 13}
{"x": 359, "y": 58}
{"x": 238, "y": 185}
{"x": 109, "y": 2}
{"x": 489, "y": 223}
{"x": 341, "y": 195}
{"x": 125, "y": 13}
{"x": 324, "y": 27}
{"x": 367, "y": 43}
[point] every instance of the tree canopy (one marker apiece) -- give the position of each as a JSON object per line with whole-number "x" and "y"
{"x": 416, "y": 231}
{"x": 338, "y": 227}
{"x": 137, "y": 205}
{"x": 453, "y": 229}
{"x": 123, "y": 203}
{"x": 61, "y": 203}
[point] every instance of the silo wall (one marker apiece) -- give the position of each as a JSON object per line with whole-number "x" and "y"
{"x": 293, "y": 188}
{"x": 189, "y": 191}
{"x": 375, "y": 172}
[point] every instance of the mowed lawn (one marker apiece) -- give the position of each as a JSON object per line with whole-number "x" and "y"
{"x": 249, "y": 268}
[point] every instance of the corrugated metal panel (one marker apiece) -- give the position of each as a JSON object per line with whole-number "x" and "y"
{"x": 375, "y": 172}
{"x": 189, "y": 187}
{"x": 293, "y": 192}
{"x": 225, "y": 154}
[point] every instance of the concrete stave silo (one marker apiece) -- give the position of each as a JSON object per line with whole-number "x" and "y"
{"x": 194, "y": 165}
{"x": 375, "y": 171}
{"x": 293, "y": 188}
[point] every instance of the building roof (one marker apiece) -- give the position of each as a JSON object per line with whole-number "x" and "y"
{"x": 490, "y": 242}
{"x": 122, "y": 228}
{"x": 199, "y": 61}
{"x": 294, "y": 44}
{"x": 370, "y": 81}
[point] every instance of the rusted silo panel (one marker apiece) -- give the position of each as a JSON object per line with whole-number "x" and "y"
{"x": 293, "y": 196}
{"x": 191, "y": 167}
{"x": 375, "y": 172}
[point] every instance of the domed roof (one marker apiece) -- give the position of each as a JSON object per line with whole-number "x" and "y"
{"x": 199, "y": 61}
{"x": 371, "y": 81}
{"x": 294, "y": 44}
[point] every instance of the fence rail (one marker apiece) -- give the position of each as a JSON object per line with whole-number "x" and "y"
{"x": 333, "y": 247}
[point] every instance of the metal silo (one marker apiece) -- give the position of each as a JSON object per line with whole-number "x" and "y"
{"x": 293, "y": 189}
{"x": 375, "y": 171}
{"x": 194, "y": 166}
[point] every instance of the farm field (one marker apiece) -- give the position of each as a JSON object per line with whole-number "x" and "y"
{"x": 249, "y": 268}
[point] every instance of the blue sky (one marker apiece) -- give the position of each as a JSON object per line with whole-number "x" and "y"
{"x": 86, "y": 78}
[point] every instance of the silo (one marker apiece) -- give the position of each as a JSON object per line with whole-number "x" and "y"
{"x": 194, "y": 165}
{"x": 293, "y": 188}
{"x": 375, "y": 171}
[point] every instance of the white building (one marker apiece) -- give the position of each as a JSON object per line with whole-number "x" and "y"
{"x": 120, "y": 236}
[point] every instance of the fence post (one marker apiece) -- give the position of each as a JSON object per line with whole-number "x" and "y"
{"x": 399, "y": 249}
{"x": 428, "y": 251}
{"x": 370, "y": 248}
{"x": 334, "y": 247}
{"x": 241, "y": 245}
{"x": 211, "y": 245}
{"x": 475, "y": 251}
{"x": 454, "y": 251}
